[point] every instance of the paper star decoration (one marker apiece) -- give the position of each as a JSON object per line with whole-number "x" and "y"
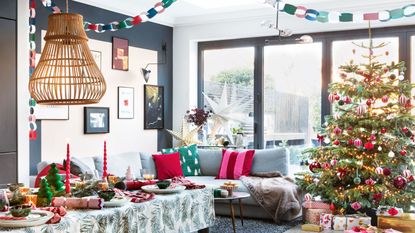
{"x": 186, "y": 137}
{"x": 223, "y": 112}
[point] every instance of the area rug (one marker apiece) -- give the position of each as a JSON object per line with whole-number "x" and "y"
{"x": 224, "y": 225}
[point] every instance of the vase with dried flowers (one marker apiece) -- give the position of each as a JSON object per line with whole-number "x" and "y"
{"x": 198, "y": 117}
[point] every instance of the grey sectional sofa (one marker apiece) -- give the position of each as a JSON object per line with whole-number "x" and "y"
{"x": 269, "y": 160}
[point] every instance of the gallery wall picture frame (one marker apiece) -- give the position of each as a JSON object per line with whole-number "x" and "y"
{"x": 126, "y": 103}
{"x": 97, "y": 55}
{"x": 153, "y": 107}
{"x": 96, "y": 120}
{"x": 120, "y": 54}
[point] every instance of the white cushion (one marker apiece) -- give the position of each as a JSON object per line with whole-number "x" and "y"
{"x": 118, "y": 164}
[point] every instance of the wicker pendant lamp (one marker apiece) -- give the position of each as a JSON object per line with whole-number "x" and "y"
{"x": 66, "y": 73}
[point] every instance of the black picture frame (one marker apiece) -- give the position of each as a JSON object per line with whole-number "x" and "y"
{"x": 96, "y": 120}
{"x": 120, "y": 53}
{"x": 131, "y": 102}
{"x": 153, "y": 107}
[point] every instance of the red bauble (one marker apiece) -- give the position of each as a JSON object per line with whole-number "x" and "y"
{"x": 350, "y": 142}
{"x": 387, "y": 171}
{"x": 313, "y": 166}
{"x": 377, "y": 196}
{"x": 326, "y": 165}
{"x": 372, "y": 137}
{"x": 347, "y": 100}
{"x": 369, "y": 102}
{"x": 403, "y": 152}
{"x": 405, "y": 130}
{"x": 350, "y": 129}
{"x": 411, "y": 178}
{"x": 399, "y": 182}
{"x": 386, "y": 70}
{"x": 393, "y": 211}
{"x": 369, "y": 146}
{"x": 383, "y": 130}
{"x": 337, "y": 97}
{"x": 336, "y": 142}
{"x": 332, "y": 207}
{"x": 385, "y": 99}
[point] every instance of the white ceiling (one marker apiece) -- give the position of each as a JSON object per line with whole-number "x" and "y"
{"x": 191, "y": 12}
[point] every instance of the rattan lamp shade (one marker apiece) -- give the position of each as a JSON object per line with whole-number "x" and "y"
{"x": 66, "y": 73}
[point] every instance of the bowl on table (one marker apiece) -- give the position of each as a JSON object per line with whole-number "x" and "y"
{"x": 163, "y": 184}
{"x": 107, "y": 195}
{"x": 20, "y": 211}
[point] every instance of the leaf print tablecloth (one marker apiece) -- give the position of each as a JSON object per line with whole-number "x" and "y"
{"x": 189, "y": 211}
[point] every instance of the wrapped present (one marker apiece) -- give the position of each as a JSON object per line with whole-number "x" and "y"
{"x": 404, "y": 223}
{"x": 339, "y": 223}
{"x": 357, "y": 221}
{"x": 311, "y": 227}
{"x": 389, "y": 211}
{"x": 326, "y": 221}
{"x": 316, "y": 205}
{"x": 312, "y": 211}
{"x": 312, "y": 216}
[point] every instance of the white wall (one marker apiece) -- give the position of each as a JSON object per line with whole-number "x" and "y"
{"x": 185, "y": 39}
{"x": 125, "y": 135}
{"x": 22, "y": 91}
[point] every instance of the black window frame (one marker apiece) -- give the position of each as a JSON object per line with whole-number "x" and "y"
{"x": 404, "y": 33}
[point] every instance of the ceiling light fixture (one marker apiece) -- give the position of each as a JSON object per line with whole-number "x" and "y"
{"x": 66, "y": 73}
{"x": 282, "y": 32}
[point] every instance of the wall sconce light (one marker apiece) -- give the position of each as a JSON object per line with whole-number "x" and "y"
{"x": 146, "y": 71}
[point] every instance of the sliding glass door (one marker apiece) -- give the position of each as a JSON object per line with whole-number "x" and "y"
{"x": 292, "y": 95}
{"x": 228, "y": 90}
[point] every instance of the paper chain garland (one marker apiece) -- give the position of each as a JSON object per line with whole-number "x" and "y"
{"x": 127, "y": 23}
{"x": 335, "y": 17}
{"x": 32, "y": 65}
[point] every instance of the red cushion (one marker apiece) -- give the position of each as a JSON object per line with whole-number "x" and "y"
{"x": 168, "y": 166}
{"x": 235, "y": 164}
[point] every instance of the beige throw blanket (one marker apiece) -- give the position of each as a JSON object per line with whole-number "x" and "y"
{"x": 278, "y": 195}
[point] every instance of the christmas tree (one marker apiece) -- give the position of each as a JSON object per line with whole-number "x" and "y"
{"x": 365, "y": 157}
{"x": 44, "y": 196}
{"x": 54, "y": 180}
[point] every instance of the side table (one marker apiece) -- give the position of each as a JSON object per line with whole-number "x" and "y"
{"x": 236, "y": 196}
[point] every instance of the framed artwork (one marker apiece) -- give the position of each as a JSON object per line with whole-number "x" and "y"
{"x": 125, "y": 103}
{"x": 97, "y": 55}
{"x": 119, "y": 54}
{"x": 96, "y": 120}
{"x": 52, "y": 112}
{"x": 153, "y": 107}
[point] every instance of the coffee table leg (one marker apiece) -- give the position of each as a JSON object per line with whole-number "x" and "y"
{"x": 232, "y": 216}
{"x": 241, "y": 211}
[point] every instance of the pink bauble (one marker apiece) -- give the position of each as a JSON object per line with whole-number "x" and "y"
{"x": 332, "y": 98}
{"x": 370, "y": 182}
{"x": 372, "y": 137}
{"x": 326, "y": 165}
{"x": 336, "y": 116}
{"x": 385, "y": 99}
{"x": 333, "y": 162}
{"x": 403, "y": 100}
{"x": 357, "y": 142}
{"x": 336, "y": 142}
{"x": 406, "y": 173}
{"x": 308, "y": 197}
{"x": 360, "y": 110}
{"x": 379, "y": 171}
{"x": 337, "y": 131}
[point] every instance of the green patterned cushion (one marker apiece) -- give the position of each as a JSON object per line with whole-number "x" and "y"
{"x": 189, "y": 159}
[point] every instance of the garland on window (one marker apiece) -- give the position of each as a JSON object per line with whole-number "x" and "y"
{"x": 127, "y": 23}
{"x": 343, "y": 17}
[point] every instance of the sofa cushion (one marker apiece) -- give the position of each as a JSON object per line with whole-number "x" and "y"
{"x": 271, "y": 160}
{"x": 210, "y": 161}
{"x": 147, "y": 163}
{"x": 235, "y": 164}
{"x": 189, "y": 159}
{"x": 118, "y": 164}
{"x": 79, "y": 167}
{"x": 168, "y": 165}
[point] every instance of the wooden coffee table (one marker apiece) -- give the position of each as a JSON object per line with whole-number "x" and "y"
{"x": 236, "y": 196}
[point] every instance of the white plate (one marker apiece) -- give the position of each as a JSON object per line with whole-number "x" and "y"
{"x": 36, "y": 218}
{"x": 156, "y": 190}
{"x": 116, "y": 202}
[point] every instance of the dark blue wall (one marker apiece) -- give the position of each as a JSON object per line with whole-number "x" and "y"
{"x": 147, "y": 36}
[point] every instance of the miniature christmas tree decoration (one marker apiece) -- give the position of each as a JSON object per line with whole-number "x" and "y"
{"x": 44, "y": 196}
{"x": 54, "y": 180}
{"x": 129, "y": 174}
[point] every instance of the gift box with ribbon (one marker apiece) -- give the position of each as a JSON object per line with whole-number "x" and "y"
{"x": 312, "y": 211}
{"x": 326, "y": 221}
{"x": 339, "y": 223}
{"x": 404, "y": 223}
{"x": 357, "y": 221}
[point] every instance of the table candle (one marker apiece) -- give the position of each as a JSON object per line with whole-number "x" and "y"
{"x": 148, "y": 176}
{"x": 68, "y": 168}
{"x": 104, "y": 169}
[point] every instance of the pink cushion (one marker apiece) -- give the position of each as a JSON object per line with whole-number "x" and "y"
{"x": 168, "y": 166}
{"x": 235, "y": 164}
